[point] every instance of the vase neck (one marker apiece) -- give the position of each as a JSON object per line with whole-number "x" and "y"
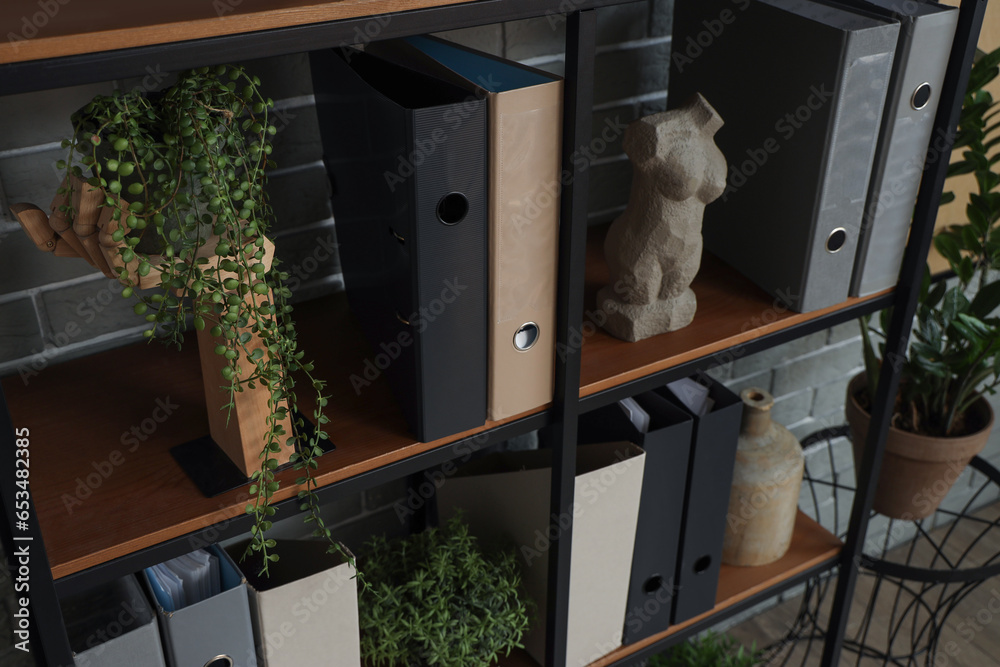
{"x": 757, "y": 405}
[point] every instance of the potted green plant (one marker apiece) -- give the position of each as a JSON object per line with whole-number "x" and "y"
{"x": 940, "y": 418}
{"x": 167, "y": 192}
{"x": 437, "y": 599}
{"x": 709, "y": 650}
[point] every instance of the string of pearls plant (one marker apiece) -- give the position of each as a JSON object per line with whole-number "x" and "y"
{"x": 183, "y": 172}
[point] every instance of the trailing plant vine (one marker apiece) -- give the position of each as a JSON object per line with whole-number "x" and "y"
{"x": 184, "y": 174}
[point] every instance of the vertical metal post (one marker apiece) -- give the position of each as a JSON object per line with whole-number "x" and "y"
{"x": 25, "y": 551}
{"x": 907, "y": 291}
{"x": 577, "y": 112}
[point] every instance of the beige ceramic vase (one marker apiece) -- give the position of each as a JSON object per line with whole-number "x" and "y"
{"x": 764, "y": 498}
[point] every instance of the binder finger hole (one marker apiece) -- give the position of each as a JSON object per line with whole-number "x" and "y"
{"x": 526, "y": 337}
{"x": 220, "y": 661}
{"x": 921, "y": 96}
{"x": 836, "y": 240}
{"x": 702, "y": 564}
{"x": 452, "y": 208}
{"x": 652, "y": 584}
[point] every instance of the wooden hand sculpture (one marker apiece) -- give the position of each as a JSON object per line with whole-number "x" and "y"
{"x": 87, "y": 231}
{"x": 653, "y": 249}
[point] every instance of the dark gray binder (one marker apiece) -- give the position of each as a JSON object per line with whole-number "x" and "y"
{"x": 667, "y": 444}
{"x": 801, "y": 87}
{"x": 406, "y": 154}
{"x": 927, "y": 30}
{"x": 706, "y": 500}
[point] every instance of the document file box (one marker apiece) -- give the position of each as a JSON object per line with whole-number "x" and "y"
{"x": 217, "y": 628}
{"x": 525, "y": 138}
{"x": 406, "y": 156}
{"x": 667, "y": 444}
{"x": 927, "y": 30}
{"x": 706, "y": 500}
{"x": 505, "y": 499}
{"x": 112, "y": 625}
{"x": 306, "y": 611}
{"x": 801, "y": 86}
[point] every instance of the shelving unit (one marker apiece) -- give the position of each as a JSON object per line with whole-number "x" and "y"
{"x": 146, "y": 510}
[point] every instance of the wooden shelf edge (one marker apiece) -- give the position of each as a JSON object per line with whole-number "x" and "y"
{"x": 733, "y": 315}
{"x": 812, "y": 546}
{"x": 230, "y": 17}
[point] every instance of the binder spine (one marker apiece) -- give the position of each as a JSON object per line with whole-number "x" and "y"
{"x": 920, "y": 61}
{"x": 449, "y": 251}
{"x": 859, "y": 98}
{"x": 524, "y": 234}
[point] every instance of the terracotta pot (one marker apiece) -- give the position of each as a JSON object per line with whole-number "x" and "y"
{"x": 917, "y": 470}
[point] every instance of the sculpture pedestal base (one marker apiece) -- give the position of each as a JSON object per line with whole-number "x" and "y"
{"x": 634, "y": 322}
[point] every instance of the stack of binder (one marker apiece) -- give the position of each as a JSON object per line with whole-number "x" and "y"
{"x": 445, "y": 170}
{"x": 817, "y": 97}
{"x": 664, "y": 433}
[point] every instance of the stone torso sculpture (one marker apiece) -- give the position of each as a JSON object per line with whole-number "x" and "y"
{"x": 653, "y": 249}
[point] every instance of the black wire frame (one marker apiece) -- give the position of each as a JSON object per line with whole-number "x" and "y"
{"x": 915, "y": 586}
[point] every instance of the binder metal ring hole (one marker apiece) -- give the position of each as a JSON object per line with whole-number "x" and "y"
{"x": 702, "y": 564}
{"x": 526, "y": 337}
{"x": 836, "y": 240}
{"x": 402, "y": 319}
{"x": 452, "y": 208}
{"x": 397, "y": 236}
{"x": 921, "y": 96}
{"x": 220, "y": 661}
{"x": 652, "y": 584}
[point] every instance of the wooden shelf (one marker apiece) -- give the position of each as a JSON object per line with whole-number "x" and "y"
{"x": 732, "y": 311}
{"x": 80, "y": 28}
{"x": 81, "y": 413}
{"x": 812, "y": 545}
{"x": 90, "y": 470}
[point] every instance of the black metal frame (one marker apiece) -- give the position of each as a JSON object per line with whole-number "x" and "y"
{"x": 562, "y": 418}
{"x": 970, "y": 22}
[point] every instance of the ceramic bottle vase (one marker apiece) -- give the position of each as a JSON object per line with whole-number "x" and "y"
{"x": 765, "y": 494}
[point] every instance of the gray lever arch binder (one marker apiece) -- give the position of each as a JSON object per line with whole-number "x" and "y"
{"x": 927, "y": 30}
{"x": 801, "y": 86}
{"x": 216, "y": 631}
{"x": 406, "y": 154}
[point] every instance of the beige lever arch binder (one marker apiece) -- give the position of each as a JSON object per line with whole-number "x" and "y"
{"x": 525, "y": 140}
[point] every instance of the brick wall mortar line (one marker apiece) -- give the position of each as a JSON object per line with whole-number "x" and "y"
{"x": 29, "y": 150}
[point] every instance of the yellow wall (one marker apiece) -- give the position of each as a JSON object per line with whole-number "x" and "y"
{"x": 962, "y": 186}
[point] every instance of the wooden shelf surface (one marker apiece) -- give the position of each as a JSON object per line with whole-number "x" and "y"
{"x": 74, "y": 28}
{"x": 100, "y": 492}
{"x": 812, "y": 545}
{"x": 732, "y": 311}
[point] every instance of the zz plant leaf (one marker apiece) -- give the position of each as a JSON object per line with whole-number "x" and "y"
{"x": 183, "y": 172}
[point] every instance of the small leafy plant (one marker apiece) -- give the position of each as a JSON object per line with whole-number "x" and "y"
{"x": 709, "y": 650}
{"x": 955, "y": 353}
{"x": 183, "y": 173}
{"x": 437, "y": 599}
